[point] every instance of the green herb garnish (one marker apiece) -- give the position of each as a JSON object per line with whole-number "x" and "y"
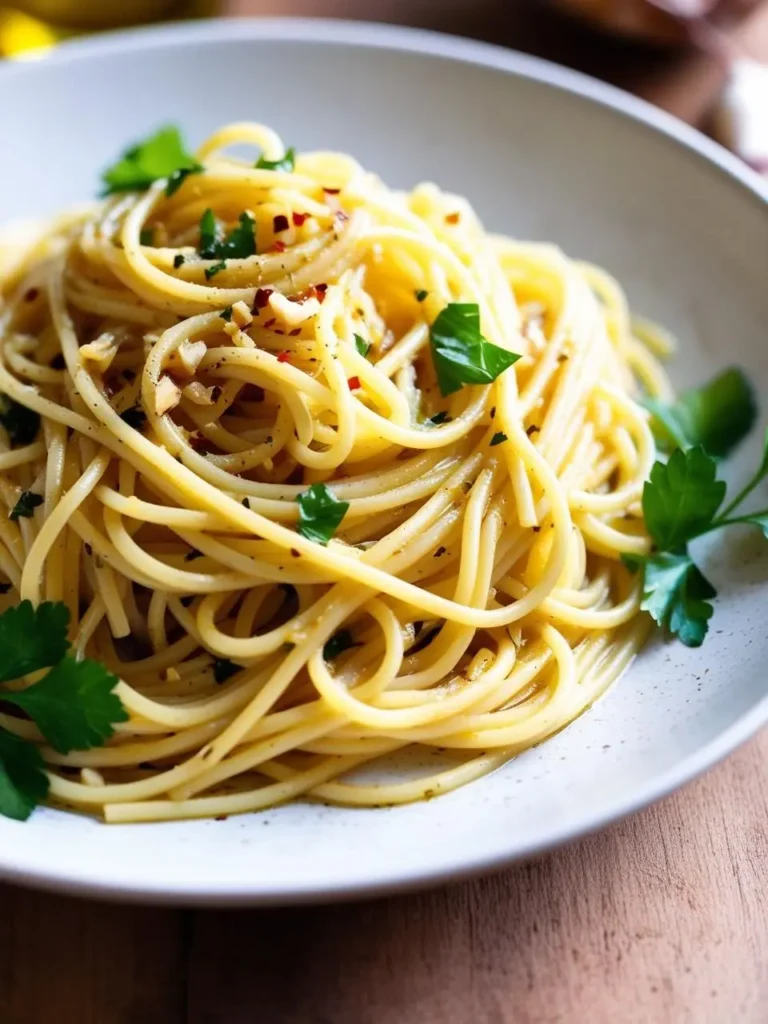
{"x": 421, "y": 294}
{"x": 178, "y": 260}
{"x": 362, "y": 345}
{"x": 21, "y": 424}
{"x": 214, "y": 270}
{"x": 179, "y": 176}
{"x": 438, "y": 418}
{"x": 716, "y": 416}
{"x": 460, "y": 353}
{"x": 23, "y": 782}
{"x": 287, "y": 162}
{"x": 163, "y": 155}
{"x": 239, "y": 244}
{"x": 32, "y": 638}
{"x": 226, "y": 313}
{"x": 26, "y": 505}
{"x": 498, "y": 438}
{"x": 320, "y": 513}
{"x": 683, "y": 500}
{"x": 146, "y": 236}
{"x": 73, "y": 705}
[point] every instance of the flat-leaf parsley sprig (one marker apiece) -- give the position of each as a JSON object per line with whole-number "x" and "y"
{"x": 684, "y": 500}
{"x": 73, "y": 705}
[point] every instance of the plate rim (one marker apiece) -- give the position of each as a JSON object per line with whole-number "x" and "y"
{"x": 402, "y": 40}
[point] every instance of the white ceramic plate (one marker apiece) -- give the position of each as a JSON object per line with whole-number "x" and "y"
{"x": 543, "y": 153}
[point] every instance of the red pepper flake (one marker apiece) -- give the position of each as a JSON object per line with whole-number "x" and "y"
{"x": 280, "y": 223}
{"x": 318, "y": 291}
{"x": 295, "y": 332}
{"x": 331, "y": 191}
{"x": 279, "y": 246}
{"x": 353, "y": 383}
{"x": 299, "y": 218}
{"x": 278, "y": 330}
{"x": 283, "y": 357}
{"x": 31, "y": 294}
{"x": 261, "y": 298}
{"x": 270, "y": 322}
{"x": 452, "y": 218}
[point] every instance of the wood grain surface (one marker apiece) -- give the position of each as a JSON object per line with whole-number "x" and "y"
{"x": 661, "y": 919}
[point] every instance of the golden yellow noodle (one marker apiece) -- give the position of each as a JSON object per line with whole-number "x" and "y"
{"x": 481, "y": 584}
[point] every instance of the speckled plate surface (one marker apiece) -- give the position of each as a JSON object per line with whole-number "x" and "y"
{"x": 543, "y": 153}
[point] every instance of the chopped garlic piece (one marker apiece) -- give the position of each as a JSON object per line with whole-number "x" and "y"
{"x": 190, "y": 355}
{"x": 185, "y": 360}
{"x": 199, "y": 393}
{"x": 292, "y": 313}
{"x": 100, "y": 351}
{"x": 167, "y": 396}
{"x": 241, "y": 314}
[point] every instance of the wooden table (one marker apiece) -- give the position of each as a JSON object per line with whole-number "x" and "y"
{"x": 661, "y": 919}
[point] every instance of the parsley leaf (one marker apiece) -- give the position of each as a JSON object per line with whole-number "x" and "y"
{"x": 179, "y": 176}
{"x": 421, "y": 294}
{"x": 339, "y": 642}
{"x": 498, "y": 438}
{"x": 676, "y": 595}
{"x": 460, "y": 353}
{"x": 73, "y": 705}
{"x": 438, "y": 418}
{"x": 213, "y": 271}
{"x": 32, "y": 638}
{"x": 226, "y": 314}
{"x": 21, "y": 424}
{"x": 23, "y": 782}
{"x": 223, "y": 669}
{"x": 26, "y": 505}
{"x": 146, "y": 236}
{"x": 162, "y": 155}
{"x": 287, "y": 162}
{"x": 208, "y": 235}
{"x": 320, "y": 513}
{"x": 681, "y": 498}
{"x": 239, "y": 244}
{"x": 716, "y": 416}
{"x": 362, "y": 345}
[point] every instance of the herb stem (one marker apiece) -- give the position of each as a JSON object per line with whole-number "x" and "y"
{"x": 740, "y": 497}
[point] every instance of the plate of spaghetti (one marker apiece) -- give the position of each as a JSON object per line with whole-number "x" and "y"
{"x": 371, "y": 468}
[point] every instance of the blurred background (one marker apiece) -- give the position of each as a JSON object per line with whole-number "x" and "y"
{"x": 704, "y": 60}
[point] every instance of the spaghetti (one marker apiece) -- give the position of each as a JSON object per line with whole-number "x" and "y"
{"x": 472, "y": 600}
